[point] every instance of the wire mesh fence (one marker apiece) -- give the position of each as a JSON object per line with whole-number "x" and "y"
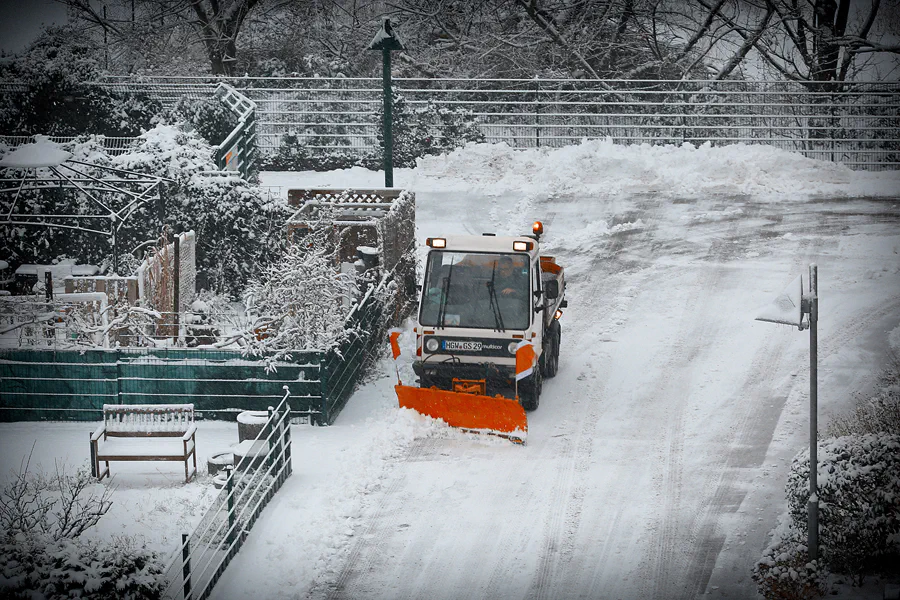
{"x": 855, "y": 123}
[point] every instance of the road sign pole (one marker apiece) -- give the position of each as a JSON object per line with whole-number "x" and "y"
{"x": 813, "y": 505}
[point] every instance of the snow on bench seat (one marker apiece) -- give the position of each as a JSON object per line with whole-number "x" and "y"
{"x": 145, "y": 432}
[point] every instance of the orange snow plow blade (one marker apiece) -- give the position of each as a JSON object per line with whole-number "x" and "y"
{"x": 473, "y": 412}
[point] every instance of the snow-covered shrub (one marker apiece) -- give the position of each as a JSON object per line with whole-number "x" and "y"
{"x": 38, "y": 566}
{"x": 877, "y": 413}
{"x": 785, "y": 572}
{"x": 302, "y": 300}
{"x": 236, "y": 226}
{"x": 859, "y": 500}
{"x": 208, "y": 116}
{"x": 57, "y": 98}
{"x": 425, "y": 131}
{"x": 42, "y": 550}
{"x": 295, "y": 154}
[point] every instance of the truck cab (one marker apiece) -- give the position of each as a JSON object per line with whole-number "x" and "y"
{"x": 481, "y": 297}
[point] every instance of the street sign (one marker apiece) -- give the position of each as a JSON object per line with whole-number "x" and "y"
{"x": 786, "y": 307}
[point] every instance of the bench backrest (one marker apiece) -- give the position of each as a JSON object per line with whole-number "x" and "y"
{"x": 147, "y": 419}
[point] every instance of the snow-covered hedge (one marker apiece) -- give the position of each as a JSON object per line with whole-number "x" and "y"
{"x": 427, "y": 130}
{"x": 859, "y": 499}
{"x": 55, "y": 98}
{"x": 785, "y": 572}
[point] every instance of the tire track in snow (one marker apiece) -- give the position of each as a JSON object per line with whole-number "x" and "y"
{"x": 668, "y": 563}
{"x": 383, "y": 524}
{"x": 559, "y": 532}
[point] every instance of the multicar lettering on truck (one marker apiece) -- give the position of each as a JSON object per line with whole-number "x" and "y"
{"x": 487, "y": 333}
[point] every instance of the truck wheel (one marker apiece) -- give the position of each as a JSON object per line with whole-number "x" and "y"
{"x": 550, "y": 364}
{"x": 530, "y": 391}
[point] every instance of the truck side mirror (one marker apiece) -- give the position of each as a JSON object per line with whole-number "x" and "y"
{"x": 551, "y": 289}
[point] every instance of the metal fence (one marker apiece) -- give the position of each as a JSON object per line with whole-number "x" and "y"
{"x": 194, "y": 569}
{"x": 855, "y": 123}
{"x": 236, "y": 153}
{"x": 74, "y": 384}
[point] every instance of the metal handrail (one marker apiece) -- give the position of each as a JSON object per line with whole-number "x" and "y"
{"x": 203, "y": 556}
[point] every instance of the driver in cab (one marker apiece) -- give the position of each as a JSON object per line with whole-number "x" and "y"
{"x": 509, "y": 280}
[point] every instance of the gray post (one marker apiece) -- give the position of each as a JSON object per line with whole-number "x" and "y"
{"x": 813, "y": 506}
{"x": 48, "y": 286}
{"x": 229, "y": 486}
{"x": 186, "y": 565}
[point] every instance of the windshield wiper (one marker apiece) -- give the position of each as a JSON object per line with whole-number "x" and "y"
{"x": 445, "y": 293}
{"x": 495, "y": 304}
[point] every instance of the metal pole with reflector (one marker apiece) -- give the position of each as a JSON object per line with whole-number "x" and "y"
{"x": 794, "y": 307}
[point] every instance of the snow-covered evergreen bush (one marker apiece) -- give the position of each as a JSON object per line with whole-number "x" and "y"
{"x": 859, "y": 500}
{"x": 237, "y": 228}
{"x": 208, "y": 116}
{"x": 785, "y": 572}
{"x": 428, "y": 130}
{"x": 38, "y": 566}
{"x": 295, "y": 154}
{"x": 301, "y": 301}
{"x": 56, "y": 96}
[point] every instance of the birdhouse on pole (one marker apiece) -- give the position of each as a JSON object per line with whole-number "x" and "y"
{"x": 386, "y": 40}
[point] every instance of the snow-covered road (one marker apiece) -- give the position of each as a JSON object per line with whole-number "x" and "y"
{"x": 656, "y": 462}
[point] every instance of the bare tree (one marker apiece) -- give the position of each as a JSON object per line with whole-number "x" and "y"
{"x": 807, "y": 40}
{"x": 593, "y": 39}
{"x": 128, "y": 24}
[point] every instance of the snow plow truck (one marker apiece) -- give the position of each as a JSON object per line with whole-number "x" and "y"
{"x": 487, "y": 331}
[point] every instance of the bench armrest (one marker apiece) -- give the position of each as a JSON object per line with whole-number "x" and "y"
{"x": 96, "y": 435}
{"x": 190, "y": 432}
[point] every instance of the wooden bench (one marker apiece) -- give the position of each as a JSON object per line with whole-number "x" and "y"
{"x": 138, "y": 432}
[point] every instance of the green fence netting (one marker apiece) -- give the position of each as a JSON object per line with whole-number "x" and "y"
{"x": 74, "y": 384}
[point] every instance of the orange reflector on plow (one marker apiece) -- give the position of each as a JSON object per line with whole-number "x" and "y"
{"x": 485, "y": 414}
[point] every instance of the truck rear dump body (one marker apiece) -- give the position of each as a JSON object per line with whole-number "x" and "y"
{"x": 482, "y": 297}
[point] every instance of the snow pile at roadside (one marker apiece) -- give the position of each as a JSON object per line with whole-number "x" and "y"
{"x": 600, "y": 167}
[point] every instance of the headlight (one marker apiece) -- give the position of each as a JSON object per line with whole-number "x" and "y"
{"x": 432, "y": 344}
{"x": 512, "y": 347}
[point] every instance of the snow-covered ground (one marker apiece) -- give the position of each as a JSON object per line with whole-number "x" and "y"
{"x": 656, "y": 463}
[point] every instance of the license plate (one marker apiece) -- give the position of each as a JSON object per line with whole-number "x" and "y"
{"x": 462, "y": 346}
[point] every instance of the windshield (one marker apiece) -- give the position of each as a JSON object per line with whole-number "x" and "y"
{"x": 470, "y": 289}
